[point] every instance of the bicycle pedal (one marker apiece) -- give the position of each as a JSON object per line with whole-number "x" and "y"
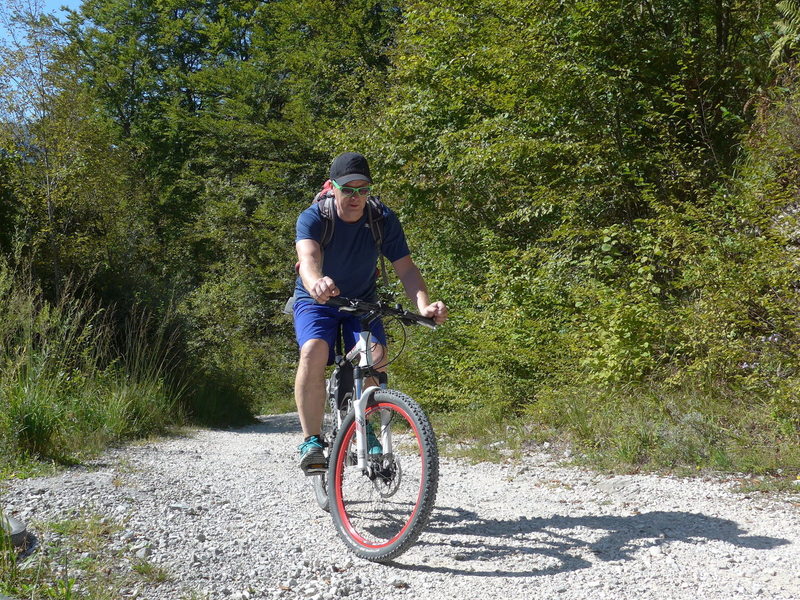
{"x": 315, "y": 469}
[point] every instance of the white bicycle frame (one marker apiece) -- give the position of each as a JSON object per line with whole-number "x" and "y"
{"x": 363, "y": 350}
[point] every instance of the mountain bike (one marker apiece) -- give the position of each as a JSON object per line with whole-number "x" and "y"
{"x": 380, "y": 502}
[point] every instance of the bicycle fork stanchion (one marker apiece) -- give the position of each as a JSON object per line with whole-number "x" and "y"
{"x": 360, "y": 409}
{"x": 386, "y": 432}
{"x": 364, "y": 350}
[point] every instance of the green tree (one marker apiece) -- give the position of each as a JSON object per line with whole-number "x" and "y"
{"x": 221, "y": 113}
{"x": 552, "y": 161}
{"x": 59, "y": 161}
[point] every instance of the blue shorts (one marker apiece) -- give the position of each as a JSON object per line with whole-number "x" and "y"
{"x": 318, "y": 321}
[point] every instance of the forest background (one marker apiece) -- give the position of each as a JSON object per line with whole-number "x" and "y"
{"x": 605, "y": 194}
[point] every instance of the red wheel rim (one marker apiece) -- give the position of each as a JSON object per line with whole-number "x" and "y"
{"x": 357, "y": 537}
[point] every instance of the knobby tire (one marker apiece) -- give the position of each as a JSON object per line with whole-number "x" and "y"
{"x": 379, "y": 518}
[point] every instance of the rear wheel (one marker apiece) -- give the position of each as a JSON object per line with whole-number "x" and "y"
{"x": 320, "y": 482}
{"x": 381, "y": 512}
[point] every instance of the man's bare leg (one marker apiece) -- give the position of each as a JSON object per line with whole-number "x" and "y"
{"x": 309, "y": 385}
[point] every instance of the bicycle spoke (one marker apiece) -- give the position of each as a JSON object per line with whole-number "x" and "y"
{"x": 380, "y": 504}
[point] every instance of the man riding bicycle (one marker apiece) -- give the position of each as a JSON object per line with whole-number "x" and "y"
{"x": 347, "y": 266}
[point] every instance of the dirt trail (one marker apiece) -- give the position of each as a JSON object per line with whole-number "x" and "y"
{"x": 227, "y": 514}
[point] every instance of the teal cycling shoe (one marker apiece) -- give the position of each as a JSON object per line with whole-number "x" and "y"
{"x": 312, "y": 458}
{"x": 374, "y": 447}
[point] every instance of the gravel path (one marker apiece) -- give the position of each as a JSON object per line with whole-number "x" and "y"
{"x": 227, "y": 514}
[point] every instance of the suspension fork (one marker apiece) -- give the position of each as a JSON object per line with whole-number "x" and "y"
{"x": 362, "y": 398}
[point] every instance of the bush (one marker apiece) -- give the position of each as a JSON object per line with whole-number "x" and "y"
{"x": 66, "y": 389}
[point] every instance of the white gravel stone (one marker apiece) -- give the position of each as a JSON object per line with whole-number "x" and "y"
{"x": 233, "y": 517}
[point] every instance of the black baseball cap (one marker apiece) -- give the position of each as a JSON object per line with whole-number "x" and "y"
{"x": 350, "y": 166}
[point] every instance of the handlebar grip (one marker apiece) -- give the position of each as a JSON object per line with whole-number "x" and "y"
{"x": 430, "y": 323}
{"x": 426, "y": 321}
{"x": 338, "y": 301}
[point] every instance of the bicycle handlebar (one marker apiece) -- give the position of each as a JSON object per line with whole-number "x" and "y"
{"x": 362, "y": 307}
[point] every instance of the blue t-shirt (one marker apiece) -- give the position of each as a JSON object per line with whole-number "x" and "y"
{"x": 351, "y": 257}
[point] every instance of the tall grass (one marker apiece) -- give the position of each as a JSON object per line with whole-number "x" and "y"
{"x": 72, "y": 379}
{"x": 639, "y": 427}
{"x": 659, "y": 426}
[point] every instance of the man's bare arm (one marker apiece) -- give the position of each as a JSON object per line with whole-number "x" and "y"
{"x": 310, "y": 256}
{"x": 417, "y": 291}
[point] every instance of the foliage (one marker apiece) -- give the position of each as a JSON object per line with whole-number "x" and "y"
{"x": 604, "y": 193}
{"x": 555, "y": 184}
{"x": 788, "y": 28}
{"x": 589, "y": 214}
{"x": 65, "y": 390}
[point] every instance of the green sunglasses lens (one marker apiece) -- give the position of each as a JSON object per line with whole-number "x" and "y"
{"x": 351, "y": 191}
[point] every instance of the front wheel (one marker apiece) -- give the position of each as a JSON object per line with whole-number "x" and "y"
{"x": 381, "y": 512}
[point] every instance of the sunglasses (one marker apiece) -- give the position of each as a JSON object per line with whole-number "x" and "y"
{"x": 351, "y": 191}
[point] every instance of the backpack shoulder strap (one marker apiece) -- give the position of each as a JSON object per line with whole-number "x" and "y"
{"x": 326, "y": 209}
{"x": 375, "y": 221}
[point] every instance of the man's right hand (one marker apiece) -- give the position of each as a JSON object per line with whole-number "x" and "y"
{"x": 323, "y": 289}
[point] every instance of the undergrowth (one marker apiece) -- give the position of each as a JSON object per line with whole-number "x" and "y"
{"x": 73, "y": 380}
{"x": 637, "y": 428}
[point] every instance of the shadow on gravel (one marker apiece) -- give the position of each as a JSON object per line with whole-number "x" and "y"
{"x": 555, "y": 542}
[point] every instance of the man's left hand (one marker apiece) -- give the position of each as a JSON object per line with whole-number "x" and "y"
{"x": 436, "y": 311}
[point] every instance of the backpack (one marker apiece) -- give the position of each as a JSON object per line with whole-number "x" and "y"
{"x": 327, "y": 209}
